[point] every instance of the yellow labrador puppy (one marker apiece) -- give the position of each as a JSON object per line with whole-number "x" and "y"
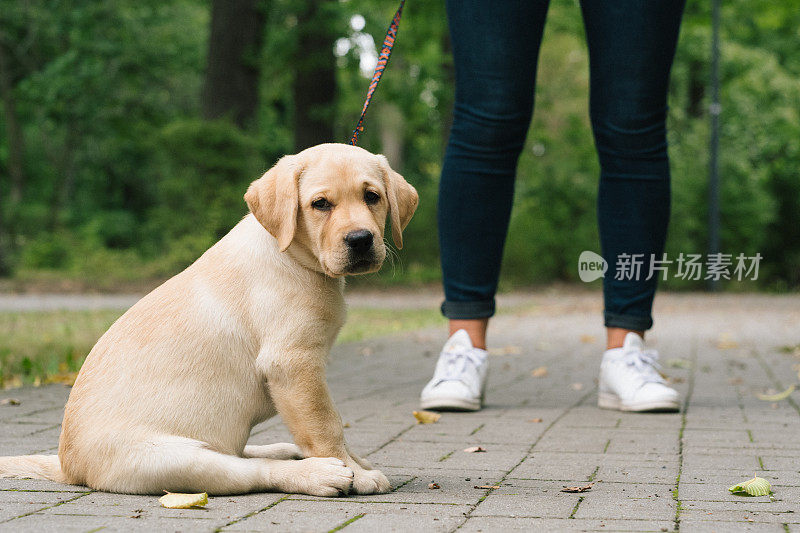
{"x": 167, "y": 397}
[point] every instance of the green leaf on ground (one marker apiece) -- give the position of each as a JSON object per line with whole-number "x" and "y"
{"x": 758, "y": 486}
{"x": 777, "y": 397}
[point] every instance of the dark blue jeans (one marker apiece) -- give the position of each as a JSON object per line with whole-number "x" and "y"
{"x": 495, "y": 48}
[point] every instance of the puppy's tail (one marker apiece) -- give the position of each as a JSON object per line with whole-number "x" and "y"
{"x": 32, "y": 467}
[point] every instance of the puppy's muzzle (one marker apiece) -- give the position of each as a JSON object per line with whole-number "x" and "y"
{"x": 361, "y": 255}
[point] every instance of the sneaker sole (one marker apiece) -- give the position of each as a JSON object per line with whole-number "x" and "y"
{"x": 451, "y": 404}
{"x": 607, "y": 400}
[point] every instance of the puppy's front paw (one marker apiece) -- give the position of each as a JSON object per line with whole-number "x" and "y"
{"x": 370, "y": 482}
{"x": 323, "y": 476}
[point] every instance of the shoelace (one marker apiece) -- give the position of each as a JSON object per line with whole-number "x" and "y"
{"x": 646, "y": 362}
{"x": 457, "y": 364}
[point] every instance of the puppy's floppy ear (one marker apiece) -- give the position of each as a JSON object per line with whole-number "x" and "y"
{"x": 273, "y": 199}
{"x": 403, "y": 200}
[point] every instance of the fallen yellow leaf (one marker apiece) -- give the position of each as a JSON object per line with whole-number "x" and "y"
{"x": 426, "y": 417}
{"x": 726, "y": 342}
{"x": 176, "y": 500}
{"x": 588, "y": 339}
{"x": 539, "y": 372}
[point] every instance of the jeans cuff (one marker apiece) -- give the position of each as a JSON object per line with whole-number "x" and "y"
{"x": 636, "y": 323}
{"x": 468, "y": 310}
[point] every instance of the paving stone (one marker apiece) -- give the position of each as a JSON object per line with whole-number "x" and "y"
{"x": 402, "y": 523}
{"x": 35, "y": 497}
{"x": 74, "y": 524}
{"x": 726, "y": 478}
{"x": 734, "y": 461}
{"x": 12, "y": 510}
{"x": 710, "y": 526}
{"x": 324, "y": 515}
{"x": 735, "y": 518}
{"x": 643, "y": 442}
{"x": 487, "y": 524}
{"x": 536, "y": 467}
{"x": 442, "y": 470}
{"x": 630, "y": 501}
{"x": 21, "y": 431}
{"x": 532, "y": 503}
{"x": 760, "y": 504}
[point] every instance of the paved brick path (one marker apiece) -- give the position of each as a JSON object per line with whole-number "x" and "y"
{"x": 653, "y": 472}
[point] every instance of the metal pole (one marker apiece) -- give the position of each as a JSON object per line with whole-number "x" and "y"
{"x": 714, "y": 111}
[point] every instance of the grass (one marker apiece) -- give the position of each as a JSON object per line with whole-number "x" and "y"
{"x": 35, "y": 346}
{"x": 364, "y": 323}
{"x": 50, "y": 346}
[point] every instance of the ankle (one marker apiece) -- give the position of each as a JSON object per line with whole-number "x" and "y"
{"x": 475, "y": 328}
{"x": 616, "y": 336}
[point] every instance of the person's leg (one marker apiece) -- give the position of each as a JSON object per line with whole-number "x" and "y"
{"x": 631, "y": 48}
{"x": 495, "y": 49}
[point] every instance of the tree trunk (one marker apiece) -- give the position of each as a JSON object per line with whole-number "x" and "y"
{"x": 16, "y": 169}
{"x": 391, "y": 126}
{"x": 232, "y": 71}
{"x": 314, "y": 86}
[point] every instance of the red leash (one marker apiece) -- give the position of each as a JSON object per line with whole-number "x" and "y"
{"x": 383, "y": 60}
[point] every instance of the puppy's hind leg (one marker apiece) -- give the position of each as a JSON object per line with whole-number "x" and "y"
{"x": 178, "y": 464}
{"x": 280, "y": 450}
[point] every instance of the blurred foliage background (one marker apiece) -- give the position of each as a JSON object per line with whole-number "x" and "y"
{"x": 129, "y": 130}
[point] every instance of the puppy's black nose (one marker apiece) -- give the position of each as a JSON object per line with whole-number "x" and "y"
{"x": 359, "y": 241}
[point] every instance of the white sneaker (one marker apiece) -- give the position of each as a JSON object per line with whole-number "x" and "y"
{"x": 459, "y": 378}
{"x": 630, "y": 380}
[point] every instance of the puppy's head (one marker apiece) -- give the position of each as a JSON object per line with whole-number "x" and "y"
{"x": 332, "y": 201}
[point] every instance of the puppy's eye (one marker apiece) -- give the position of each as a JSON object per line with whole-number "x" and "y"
{"x": 371, "y": 197}
{"x": 321, "y": 204}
